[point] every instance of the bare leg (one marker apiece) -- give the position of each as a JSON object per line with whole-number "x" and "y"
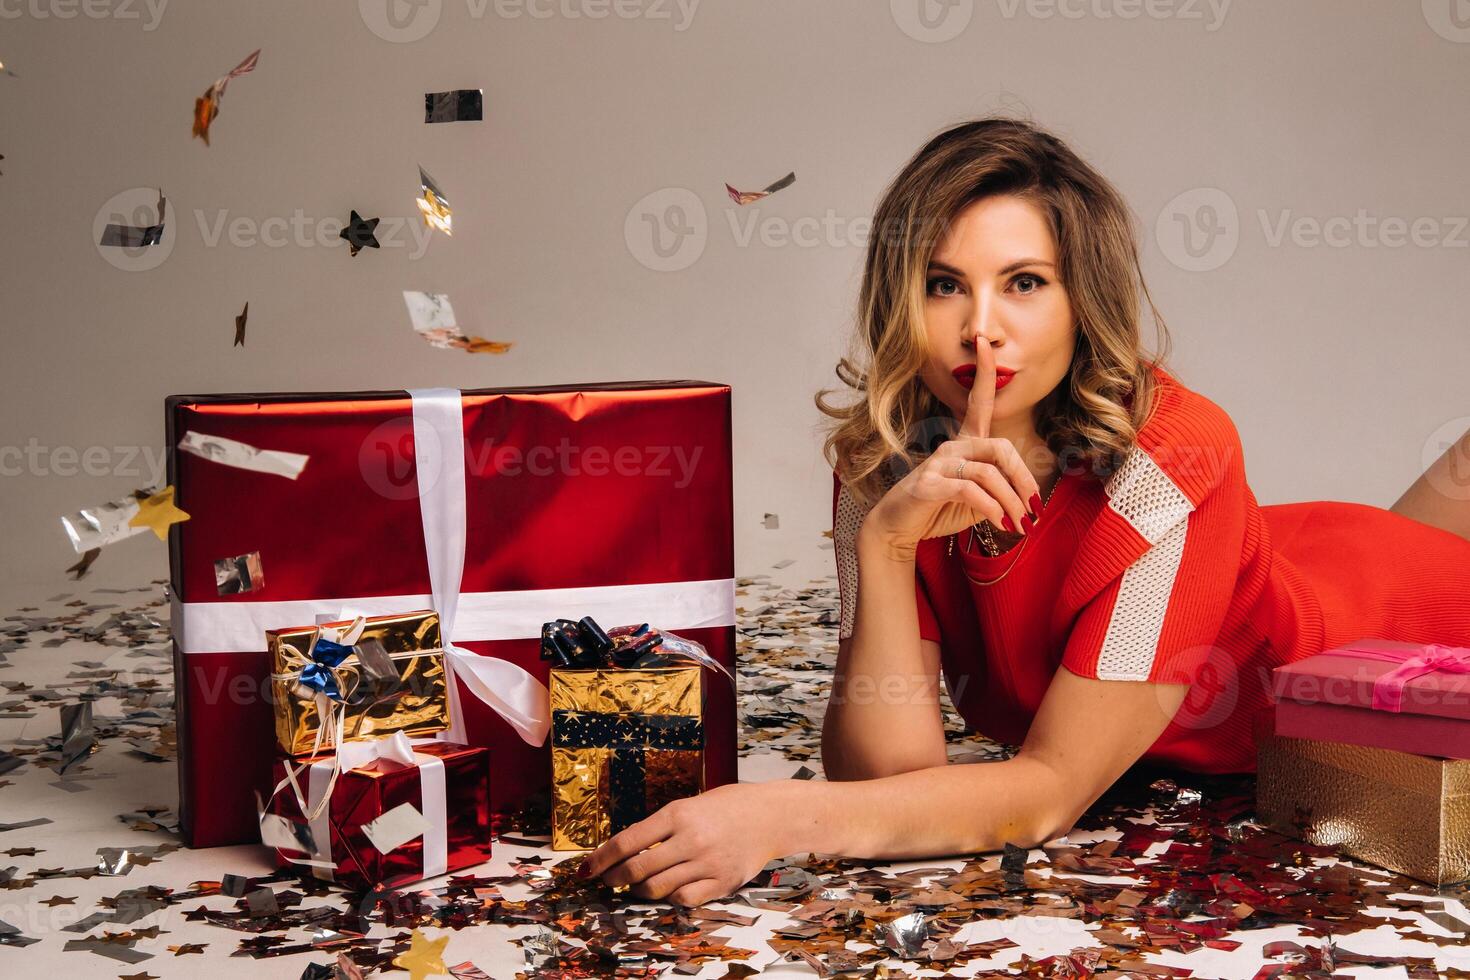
{"x": 1441, "y": 496}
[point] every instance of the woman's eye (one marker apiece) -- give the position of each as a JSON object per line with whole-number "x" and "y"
{"x": 1037, "y": 281}
{"x": 933, "y": 283}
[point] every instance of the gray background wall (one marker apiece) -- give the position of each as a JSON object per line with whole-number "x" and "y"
{"x": 1342, "y": 360}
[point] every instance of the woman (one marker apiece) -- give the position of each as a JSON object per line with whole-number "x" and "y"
{"x": 1018, "y": 490}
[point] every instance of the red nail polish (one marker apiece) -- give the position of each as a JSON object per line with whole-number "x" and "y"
{"x": 583, "y": 871}
{"x": 1028, "y": 524}
{"x": 1005, "y": 522}
{"x": 1035, "y": 503}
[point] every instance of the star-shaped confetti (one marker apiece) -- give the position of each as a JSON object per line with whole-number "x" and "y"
{"x": 84, "y": 563}
{"x": 359, "y": 233}
{"x": 157, "y": 512}
{"x": 240, "y": 326}
{"x": 180, "y": 950}
{"x": 137, "y": 976}
{"x": 56, "y": 900}
{"x": 17, "y": 852}
{"x": 425, "y": 956}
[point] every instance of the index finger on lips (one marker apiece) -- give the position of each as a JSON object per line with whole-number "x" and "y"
{"x": 626, "y": 843}
{"x": 981, "y": 404}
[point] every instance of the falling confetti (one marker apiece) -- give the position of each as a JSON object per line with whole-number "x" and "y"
{"x": 240, "y": 325}
{"x": 461, "y": 105}
{"x": 157, "y": 512}
{"x": 433, "y": 204}
{"x": 359, "y": 233}
{"x": 747, "y": 197}
{"x": 135, "y": 236}
{"x": 206, "y": 107}
{"x": 80, "y": 569}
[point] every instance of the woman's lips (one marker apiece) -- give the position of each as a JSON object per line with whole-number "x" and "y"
{"x": 965, "y": 375}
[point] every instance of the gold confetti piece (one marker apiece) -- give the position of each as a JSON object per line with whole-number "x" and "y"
{"x": 157, "y": 512}
{"x": 433, "y": 204}
{"x": 424, "y": 957}
{"x": 206, "y": 107}
{"x": 240, "y": 326}
{"x": 746, "y": 197}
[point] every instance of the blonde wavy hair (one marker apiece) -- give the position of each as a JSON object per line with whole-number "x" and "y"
{"x": 1092, "y": 419}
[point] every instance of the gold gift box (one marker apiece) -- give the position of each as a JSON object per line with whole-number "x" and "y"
{"x": 1408, "y": 813}
{"x": 417, "y": 705}
{"x": 623, "y": 744}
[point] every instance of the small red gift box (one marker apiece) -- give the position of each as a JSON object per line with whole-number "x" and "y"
{"x": 1410, "y": 697}
{"x": 385, "y": 822}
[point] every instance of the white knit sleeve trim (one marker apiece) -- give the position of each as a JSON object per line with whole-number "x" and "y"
{"x": 844, "y": 540}
{"x": 1159, "y": 511}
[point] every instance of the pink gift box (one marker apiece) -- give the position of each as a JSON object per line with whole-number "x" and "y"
{"x": 1410, "y": 697}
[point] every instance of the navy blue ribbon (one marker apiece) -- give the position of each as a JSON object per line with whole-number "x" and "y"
{"x": 318, "y": 675}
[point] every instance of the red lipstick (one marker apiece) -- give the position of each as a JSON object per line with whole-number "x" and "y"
{"x": 965, "y": 375}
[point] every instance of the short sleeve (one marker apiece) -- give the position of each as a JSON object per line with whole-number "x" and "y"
{"x": 847, "y": 518}
{"x": 1179, "y": 519}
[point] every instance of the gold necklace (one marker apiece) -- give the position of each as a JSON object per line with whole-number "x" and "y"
{"x": 988, "y": 535}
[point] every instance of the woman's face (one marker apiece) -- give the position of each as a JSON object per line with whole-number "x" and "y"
{"x": 993, "y": 276}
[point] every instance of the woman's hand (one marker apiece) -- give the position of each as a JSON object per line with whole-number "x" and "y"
{"x": 702, "y": 847}
{"x": 969, "y": 478}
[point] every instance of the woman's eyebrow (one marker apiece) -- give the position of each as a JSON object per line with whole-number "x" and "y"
{"x": 935, "y": 264}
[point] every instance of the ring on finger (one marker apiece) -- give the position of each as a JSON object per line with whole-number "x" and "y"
{"x": 959, "y": 471}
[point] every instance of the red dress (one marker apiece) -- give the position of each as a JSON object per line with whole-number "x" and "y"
{"x": 1169, "y": 571}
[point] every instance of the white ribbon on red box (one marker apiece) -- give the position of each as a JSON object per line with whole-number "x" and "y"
{"x": 438, "y": 419}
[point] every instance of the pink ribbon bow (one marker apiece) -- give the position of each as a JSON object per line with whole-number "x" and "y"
{"x": 1388, "y": 689}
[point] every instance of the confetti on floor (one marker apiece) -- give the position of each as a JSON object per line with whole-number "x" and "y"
{"x": 1167, "y": 875}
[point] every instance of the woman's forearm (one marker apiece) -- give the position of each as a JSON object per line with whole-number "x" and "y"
{"x": 883, "y": 716}
{"x": 944, "y": 810}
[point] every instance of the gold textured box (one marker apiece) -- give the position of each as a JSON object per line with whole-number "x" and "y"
{"x": 623, "y": 744}
{"x": 1408, "y": 813}
{"x": 416, "y": 703}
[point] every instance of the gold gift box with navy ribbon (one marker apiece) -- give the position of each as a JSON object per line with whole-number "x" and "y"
{"x": 385, "y": 675}
{"x": 625, "y": 740}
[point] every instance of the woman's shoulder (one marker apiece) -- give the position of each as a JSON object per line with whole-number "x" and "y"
{"x": 1187, "y": 440}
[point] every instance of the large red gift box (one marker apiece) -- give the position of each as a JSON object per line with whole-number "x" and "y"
{"x": 614, "y": 500}
{"x": 1410, "y": 697}
{"x": 447, "y": 786}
